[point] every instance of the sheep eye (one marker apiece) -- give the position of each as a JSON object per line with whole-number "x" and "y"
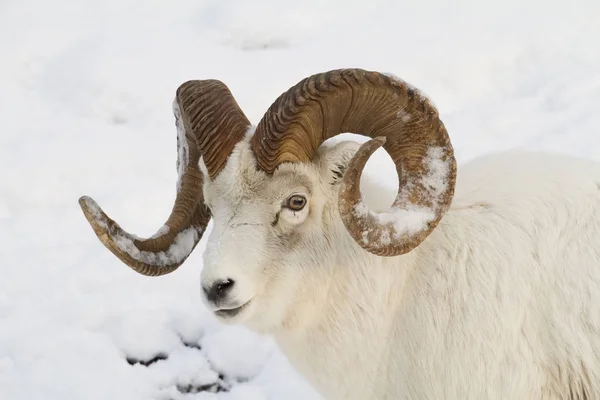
{"x": 296, "y": 202}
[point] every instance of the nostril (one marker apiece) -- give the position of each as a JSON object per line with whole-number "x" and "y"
{"x": 224, "y": 285}
{"x": 219, "y": 290}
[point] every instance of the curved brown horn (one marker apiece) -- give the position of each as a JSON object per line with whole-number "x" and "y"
{"x": 209, "y": 124}
{"x": 379, "y": 106}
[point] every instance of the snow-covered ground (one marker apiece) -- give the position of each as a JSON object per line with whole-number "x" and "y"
{"x": 85, "y": 108}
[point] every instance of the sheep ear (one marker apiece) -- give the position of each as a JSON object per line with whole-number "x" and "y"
{"x": 333, "y": 160}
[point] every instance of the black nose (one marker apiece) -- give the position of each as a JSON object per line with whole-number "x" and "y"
{"x": 219, "y": 290}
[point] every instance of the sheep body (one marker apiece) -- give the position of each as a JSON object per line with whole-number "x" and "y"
{"x": 502, "y": 301}
{"x": 497, "y": 298}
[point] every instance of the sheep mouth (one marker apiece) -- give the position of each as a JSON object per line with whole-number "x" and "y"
{"x": 232, "y": 312}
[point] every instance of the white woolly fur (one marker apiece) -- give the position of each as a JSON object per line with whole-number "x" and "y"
{"x": 501, "y": 301}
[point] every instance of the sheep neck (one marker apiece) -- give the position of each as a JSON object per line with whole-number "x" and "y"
{"x": 350, "y": 309}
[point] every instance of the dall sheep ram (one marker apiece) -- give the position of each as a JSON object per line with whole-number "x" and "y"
{"x": 481, "y": 287}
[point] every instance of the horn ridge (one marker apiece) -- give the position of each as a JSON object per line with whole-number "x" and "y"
{"x": 392, "y": 113}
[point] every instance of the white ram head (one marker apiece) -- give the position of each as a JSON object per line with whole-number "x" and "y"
{"x": 283, "y": 206}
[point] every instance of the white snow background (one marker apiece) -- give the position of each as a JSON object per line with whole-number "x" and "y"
{"x": 86, "y": 89}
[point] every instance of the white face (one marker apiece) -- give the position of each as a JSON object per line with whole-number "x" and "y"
{"x": 271, "y": 235}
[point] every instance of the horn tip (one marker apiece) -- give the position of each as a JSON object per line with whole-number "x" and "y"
{"x": 369, "y": 147}
{"x": 94, "y": 214}
{"x": 83, "y": 200}
{"x": 88, "y": 206}
{"x": 380, "y": 140}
